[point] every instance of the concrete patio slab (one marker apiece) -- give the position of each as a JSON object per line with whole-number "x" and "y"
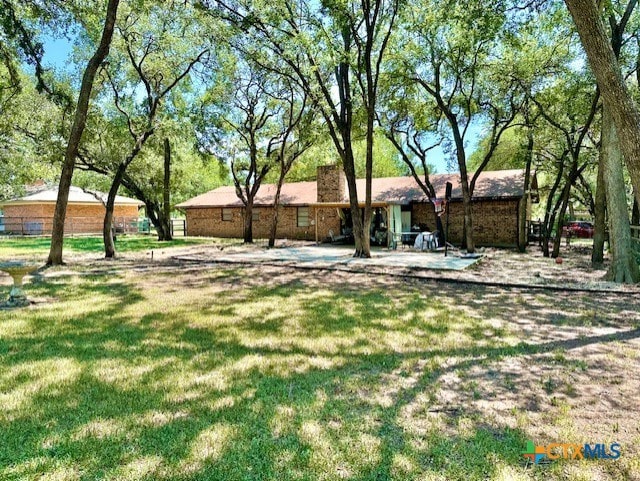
{"x": 331, "y": 256}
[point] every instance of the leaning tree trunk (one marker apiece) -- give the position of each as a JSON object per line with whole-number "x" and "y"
{"x": 605, "y": 67}
{"x": 79, "y": 123}
{"x": 624, "y": 268}
{"x": 109, "y": 246}
{"x": 549, "y": 214}
{"x": 154, "y": 213}
{"x": 166, "y": 194}
{"x": 550, "y": 224}
{"x": 566, "y": 194}
{"x": 107, "y": 226}
{"x": 599, "y": 235}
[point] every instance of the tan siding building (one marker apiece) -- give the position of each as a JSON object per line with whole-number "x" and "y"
{"x": 33, "y": 213}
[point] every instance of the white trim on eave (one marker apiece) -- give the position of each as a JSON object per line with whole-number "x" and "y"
{"x": 11, "y": 203}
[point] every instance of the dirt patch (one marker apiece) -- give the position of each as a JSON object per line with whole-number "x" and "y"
{"x": 533, "y": 268}
{"x": 496, "y": 266}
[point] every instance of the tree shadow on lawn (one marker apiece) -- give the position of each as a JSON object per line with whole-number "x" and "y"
{"x": 93, "y": 244}
{"x": 57, "y": 327}
{"x": 174, "y": 396}
{"x": 548, "y": 308}
{"x": 153, "y": 439}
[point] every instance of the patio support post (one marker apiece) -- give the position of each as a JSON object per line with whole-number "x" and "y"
{"x": 447, "y": 197}
{"x": 389, "y": 235}
{"x": 316, "y": 223}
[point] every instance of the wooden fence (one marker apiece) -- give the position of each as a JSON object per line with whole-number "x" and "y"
{"x": 178, "y": 226}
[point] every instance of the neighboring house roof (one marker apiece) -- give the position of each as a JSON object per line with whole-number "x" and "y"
{"x": 76, "y": 196}
{"x": 499, "y": 184}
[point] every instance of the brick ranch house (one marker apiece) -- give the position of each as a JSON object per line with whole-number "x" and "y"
{"x": 319, "y": 210}
{"x": 33, "y": 213}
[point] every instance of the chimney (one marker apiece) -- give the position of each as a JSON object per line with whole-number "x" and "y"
{"x": 36, "y": 186}
{"x": 331, "y": 183}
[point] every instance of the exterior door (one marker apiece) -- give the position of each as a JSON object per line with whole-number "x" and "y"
{"x": 406, "y": 221}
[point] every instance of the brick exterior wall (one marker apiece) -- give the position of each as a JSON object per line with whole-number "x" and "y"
{"x": 207, "y": 222}
{"x": 495, "y": 222}
{"x": 81, "y": 218}
{"x": 331, "y": 183}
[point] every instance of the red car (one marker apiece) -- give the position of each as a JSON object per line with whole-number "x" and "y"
{"x": 578, "y": 228}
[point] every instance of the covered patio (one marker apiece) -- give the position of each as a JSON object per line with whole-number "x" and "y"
{"x": 389, "y": 227}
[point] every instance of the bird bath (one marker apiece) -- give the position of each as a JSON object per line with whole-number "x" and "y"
{"x": 17, "y": 270}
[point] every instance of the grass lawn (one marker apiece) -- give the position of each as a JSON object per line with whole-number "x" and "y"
{"x": 187, "y": 373}
{"x": 39, "y": 246}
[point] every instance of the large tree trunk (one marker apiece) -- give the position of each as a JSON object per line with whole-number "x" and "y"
{"x": 107, "y": 226}
{"x": 371, "y": 116}
{"x": 621, "y": 127}
{"x": 274, "y": 223}
{"x": 468, "y": 218}
{"x": 523, "y": 206}
{"x": 468, "y": 241}
{"x": 154, "y": 212}
{"x": 166, "y": 195}
{"x": 79, "y": 122}
{"x": 361, "y": 237}
{"x": 564, "y": 202}
{"x": 109, "y": 246}
{"x": 154, "y": 215}
{"x": 624, "y": 268}
{"x": 367, "y": 216}
{"x": 606, "y": 69}
{"x": 597, "y": 255}
{"x": 248, "y": 222}
{"x": 164, "y": 222}
{"x": 276, "y": 208}
{"x": 550, "y": 211}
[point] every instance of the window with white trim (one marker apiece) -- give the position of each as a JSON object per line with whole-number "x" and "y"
{"x": 303, "y": 216}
